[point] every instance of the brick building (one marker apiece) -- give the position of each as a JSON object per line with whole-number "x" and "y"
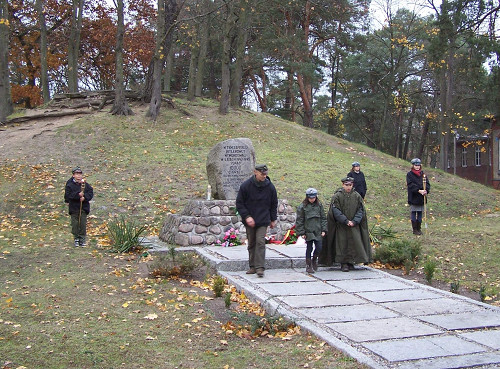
{"x": 478, "y": 157}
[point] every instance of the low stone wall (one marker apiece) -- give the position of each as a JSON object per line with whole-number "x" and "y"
{"x": 203, "y": 222}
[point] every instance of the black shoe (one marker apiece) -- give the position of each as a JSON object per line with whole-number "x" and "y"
{"x": 83, "y": 242}
{"x": 351, "y": 266}
{"x": 260, "y": 272}
{"x": 344, "y": 267}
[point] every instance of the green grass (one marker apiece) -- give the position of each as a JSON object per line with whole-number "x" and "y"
{"x": 62, "y": 307}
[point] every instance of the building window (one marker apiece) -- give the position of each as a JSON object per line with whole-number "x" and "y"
{"x": 477, "y": 156}
{"x": 464, "y": 156}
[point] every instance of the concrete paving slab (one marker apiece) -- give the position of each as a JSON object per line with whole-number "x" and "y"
{"x": 373, "y": 284}
{"x": 289, "y": 250}
{"x": 277, "y": 276}
{"x": 489, "y": 338}
{"x": 478, "y": 319}
{"x": 423, "y": 348}
{"x": 347, "y": 313}
{"x": 237, "y": 252}
{"x": 335, "y": 274}
{"x": 431, "y": 307}
{"x": 299, "y": 288}
{"x": 383, "y": 329}
{"x": 329, "y": 299}
{"x": 411, "y": 294}
{"x": 488, "y": 360}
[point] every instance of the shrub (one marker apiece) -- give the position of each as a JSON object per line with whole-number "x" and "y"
{"x": 398, "y": 252}
{"x": 378, "y": 234}
{"x": 218, "y": 285}
{"x": 227, "y": 300}
{"x": 455, "y": 286}
{"x": 125, "y": 235}
{"x": 173, "y": 264}
{"x": 429, "y": 269}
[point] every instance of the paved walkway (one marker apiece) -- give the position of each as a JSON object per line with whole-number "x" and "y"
{"x": 380, "y": 320}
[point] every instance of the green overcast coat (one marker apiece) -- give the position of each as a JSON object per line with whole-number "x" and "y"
{"x": 344, "y": 244}
{"x": 310, "y": 220}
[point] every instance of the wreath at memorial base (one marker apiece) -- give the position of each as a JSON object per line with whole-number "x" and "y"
{"x": 290, "y": 236}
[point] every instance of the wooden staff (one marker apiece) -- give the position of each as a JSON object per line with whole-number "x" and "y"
{"x": 81, "y": 203}
{"x": 424, "y": 183}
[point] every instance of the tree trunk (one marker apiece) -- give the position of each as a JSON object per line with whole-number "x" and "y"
{"x": 169, "y": 66}
{"x": 5, "y": 99}
{"x": 289, "y": 96}
{"x": 241, "y": 42}
{"x": 204, "y": 29}
{"x": 120, "y": 105}
{"x": 226, "y": 61}
{"x": 167, "y": 15}
{"x": 193, "y": 62}
{"x": 332, "y": 121}
{"x": 74, "y": 44}
{"x": 305, "y": 89}
{"x": 43, "y": 51}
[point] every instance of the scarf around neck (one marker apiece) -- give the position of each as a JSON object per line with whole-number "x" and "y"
{"x": 417, "y": 172}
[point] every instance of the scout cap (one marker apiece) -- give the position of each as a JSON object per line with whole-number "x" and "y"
{"x": 347, "y": 180}
{"x": 76, "y": 170}
{"x": 356, "y": 164}
{"x": 261, "y": 168}
{"x": 311, "y": 192}
{"x": 416, "y": 161}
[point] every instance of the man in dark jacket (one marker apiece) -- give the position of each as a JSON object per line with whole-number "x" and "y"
{"x": 359, "y": 179}
{"x": 417, "y": 194}
{"x": 78, "y": 194}
{"x": 257, "y": 204}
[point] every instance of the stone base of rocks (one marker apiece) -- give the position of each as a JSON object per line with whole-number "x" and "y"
{"x": 204, "y": 222}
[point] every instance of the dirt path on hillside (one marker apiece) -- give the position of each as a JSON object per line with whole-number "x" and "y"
{"x": 29, "y": 138}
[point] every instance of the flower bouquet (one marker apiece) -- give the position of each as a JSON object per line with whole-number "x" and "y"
{"x": 290, "y": 236}
{"x": 230, "y": 238}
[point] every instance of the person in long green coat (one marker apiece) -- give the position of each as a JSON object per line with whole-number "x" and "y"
{"x": 348, "y": 239}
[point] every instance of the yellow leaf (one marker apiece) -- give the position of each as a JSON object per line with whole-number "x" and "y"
{"x": 125, "y": 305}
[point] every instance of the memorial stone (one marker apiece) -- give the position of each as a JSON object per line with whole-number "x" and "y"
{"x": 203, "y": 222}
{"x": 229, "y": 164}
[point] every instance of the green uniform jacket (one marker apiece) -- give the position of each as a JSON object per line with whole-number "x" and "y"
{"x": 310, "y": 220}
{"x": 344, "y": 244}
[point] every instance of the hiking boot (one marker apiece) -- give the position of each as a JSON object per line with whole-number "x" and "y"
{"x": 251, "y": 270}
{"x": 315, "y": 263}
{"x": 260, "y": 272}
{"x": 309, "y": 268}
{"x": 77, "y": 242}
{"x": 344, "y": 267}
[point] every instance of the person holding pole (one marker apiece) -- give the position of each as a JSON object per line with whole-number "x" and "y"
{"x": 77, "y": 195}
{"x": 418, "y": 188}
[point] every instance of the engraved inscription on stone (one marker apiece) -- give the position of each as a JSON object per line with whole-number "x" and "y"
{"x": 234, "y": 170}
{"x": 229, "y": 163}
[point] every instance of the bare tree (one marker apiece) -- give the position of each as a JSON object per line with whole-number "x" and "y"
{"x": 168, "y": 11}
{"x": 40, "y": 5}
{"x": 5, "y": 99}
{"x": 74, "y": 44}
{"x": 120, "y": 106}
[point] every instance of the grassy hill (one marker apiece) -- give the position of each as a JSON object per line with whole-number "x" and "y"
{"x": 145, "y": 169}
{"x": 63, "y": 307}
